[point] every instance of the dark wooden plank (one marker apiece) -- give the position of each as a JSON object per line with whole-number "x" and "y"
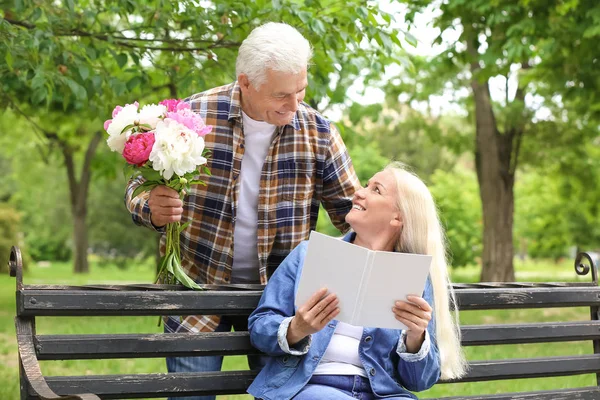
{"x": 109, "y": 303}
{"x": 488, "y": 299}
{"x": 74, "y": 347}
{"x": 73, "y": 303}
{"x": 155, "y": 385}
{"x": 588, "y": 393}
{"x": 31, "y": 366}
{"x": 531, "y": 368}
{"x": 479, "y": 335}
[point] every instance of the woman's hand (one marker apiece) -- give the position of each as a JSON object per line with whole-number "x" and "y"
{"x": 312, "y": 316}
{"x": 415, "y": 313}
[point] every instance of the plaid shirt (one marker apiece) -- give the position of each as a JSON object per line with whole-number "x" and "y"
{"x": 307, "y": 164}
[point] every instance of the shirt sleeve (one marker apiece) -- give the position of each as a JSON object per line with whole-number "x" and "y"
{"x": 413, "y": 357}
{"x": 299, "y": 348}
{"x": 339, "y": 181}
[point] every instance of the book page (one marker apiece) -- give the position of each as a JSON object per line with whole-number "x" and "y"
{"x": 336, "y": 265}
{"x": 392, "y": 277}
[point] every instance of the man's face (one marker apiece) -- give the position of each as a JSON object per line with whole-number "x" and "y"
{"x": 277, "y": 99}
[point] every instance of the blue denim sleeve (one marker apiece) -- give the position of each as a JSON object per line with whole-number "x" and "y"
{"x": 421, "y": 374}
{"x": 276, "y": 304}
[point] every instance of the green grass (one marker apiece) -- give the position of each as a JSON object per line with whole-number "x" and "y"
{"x": 60, "y": 273}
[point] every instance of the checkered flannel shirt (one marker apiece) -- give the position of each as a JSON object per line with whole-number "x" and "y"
{"x": 307, "y": 164}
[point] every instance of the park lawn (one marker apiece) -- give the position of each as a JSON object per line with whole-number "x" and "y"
{"x": 60, "y": 273}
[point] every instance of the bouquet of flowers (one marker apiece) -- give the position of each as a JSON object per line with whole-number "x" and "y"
{"x": 164, "y": 143}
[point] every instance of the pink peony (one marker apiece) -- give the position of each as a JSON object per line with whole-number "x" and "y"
{"x": 119, "y": 108}
{"x": 173, "y": 105}
{"x": 138, "y": 147}
{"x": 190, "y": 120}
{"x": 116, "y": 111}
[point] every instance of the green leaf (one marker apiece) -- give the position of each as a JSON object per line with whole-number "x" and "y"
{"x": 144, "y": 187}
{"x": 70, "y": 5}
{"x": 133, "y": 83}
{"x": 78, "y": 90}
{"x": 363, "y": 12}
{"x": 305, "y": 17}
{"x": 182, "y": 227}
{"x": 318, "y": 26}
{"x": 150, "y": 174}
{"x": 84, "y": 72}
{"x": 410, "y": 39}
{"x": 9, "y": 60}
{"x": 39, "y": 80}
{"x": 182, "y": 276}
{"x": 121, "y": 60}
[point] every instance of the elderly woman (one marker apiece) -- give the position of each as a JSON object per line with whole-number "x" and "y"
{"x": 313, "y": 356}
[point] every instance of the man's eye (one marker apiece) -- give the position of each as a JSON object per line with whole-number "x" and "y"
{"x": 377, "y": 190}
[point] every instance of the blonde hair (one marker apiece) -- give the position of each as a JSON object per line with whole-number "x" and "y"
{"x": 422, "y": 233}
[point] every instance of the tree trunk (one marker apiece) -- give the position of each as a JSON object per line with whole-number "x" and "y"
{"x": 78, "y": 191}
{"x": 495, "y": 159}
{"x": 80, "y": 239}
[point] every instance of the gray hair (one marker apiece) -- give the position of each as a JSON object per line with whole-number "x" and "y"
{"x": 275, "y": 46}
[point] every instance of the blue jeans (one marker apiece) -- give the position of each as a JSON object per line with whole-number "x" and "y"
{"x": 213, "y": 363}
{"x": 338, "y": 387}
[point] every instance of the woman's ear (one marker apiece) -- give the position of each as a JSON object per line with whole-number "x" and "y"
{"x": 396, "y": 220}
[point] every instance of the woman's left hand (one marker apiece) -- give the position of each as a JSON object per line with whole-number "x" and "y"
{"x": 415, "y": 313}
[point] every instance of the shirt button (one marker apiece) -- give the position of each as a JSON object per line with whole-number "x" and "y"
{"x": 331, "y": 325}
{"x": 372, "y": 371}
{"x": 368, "y": 339}
{"x": 316, "y": 358}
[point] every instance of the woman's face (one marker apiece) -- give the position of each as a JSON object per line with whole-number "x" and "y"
{"x": 374, "y": 207}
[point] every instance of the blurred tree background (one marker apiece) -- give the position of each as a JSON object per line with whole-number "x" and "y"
{"x": 513, "y": 174}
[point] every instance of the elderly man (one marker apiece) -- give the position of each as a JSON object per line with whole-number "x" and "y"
{"x": 274, "y": 161}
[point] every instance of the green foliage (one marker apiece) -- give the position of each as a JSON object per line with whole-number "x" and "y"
{"x": 542, "y": 226}
{"x": 456, "y": 195}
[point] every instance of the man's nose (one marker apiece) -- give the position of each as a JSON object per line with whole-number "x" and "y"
{"x": 293, "y": 103}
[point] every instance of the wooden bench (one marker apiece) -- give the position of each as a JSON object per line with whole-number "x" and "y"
{"x": 130, "y": 300}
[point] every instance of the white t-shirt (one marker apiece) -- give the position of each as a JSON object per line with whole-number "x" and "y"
{"x": 258, "y": 136}
{"x": 341, "y": 356}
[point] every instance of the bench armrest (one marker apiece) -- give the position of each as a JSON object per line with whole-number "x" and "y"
{"x": 31, "y": 365}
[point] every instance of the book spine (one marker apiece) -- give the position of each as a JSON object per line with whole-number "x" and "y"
{"x": 362, "y": 290}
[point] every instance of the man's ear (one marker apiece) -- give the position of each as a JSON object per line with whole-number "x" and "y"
{"x": 244, "y": 82}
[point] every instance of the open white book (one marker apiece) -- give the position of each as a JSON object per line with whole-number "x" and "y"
{"x": 366, "y": 282}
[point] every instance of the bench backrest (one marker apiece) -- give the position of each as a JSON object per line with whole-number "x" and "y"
{"x": 130, "y": 300}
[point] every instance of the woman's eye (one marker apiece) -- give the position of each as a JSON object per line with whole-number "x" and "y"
{"x": 377, "y": 190}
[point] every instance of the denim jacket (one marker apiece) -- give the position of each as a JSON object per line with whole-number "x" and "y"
{"x": 391, "y": 371}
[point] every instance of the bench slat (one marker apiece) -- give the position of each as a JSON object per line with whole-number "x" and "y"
{"x": 81, "y": 347}
{"x": 232, "y": 382}
{"x": 479, "y": 335}
{"x": 531, "y": 368}
{"x": 137, "y": 302}
{"x": 490, "y": 299}
{"x": 126, "y": 303}
{"x": 588, "y": 393}
{"x": 155, "y": 385}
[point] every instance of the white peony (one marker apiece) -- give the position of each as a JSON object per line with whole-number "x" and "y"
{"x": 116, "y": 137}
{"x": 152, "y": 113}
{"x": 177, "y": 149}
